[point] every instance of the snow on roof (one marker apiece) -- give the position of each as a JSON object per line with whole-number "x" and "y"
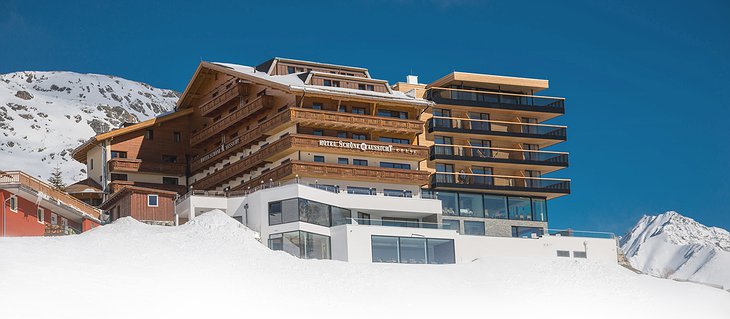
{"x": 295, "y": 82}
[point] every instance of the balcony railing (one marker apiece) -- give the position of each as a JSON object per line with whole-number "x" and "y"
{"x": 497, "y": 154}
{"x": 341, "y": 120}
{"x": 491, "y": 127}
{"x": 396, "y": 223}
{"x": 60, "y": 230}
{"x": 137, "y": 165}
{"x": 500, "y": 182}
{"x": 338, "y": 171}
{"x": 497, "y": 100}
{"x": 264, "y": 101}
{"x": 222, "y": 95}
{"x": 20, "y": 179}
{"x": 118, "y": 185}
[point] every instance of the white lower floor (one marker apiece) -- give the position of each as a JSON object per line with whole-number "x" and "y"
{"x": 313, "y": 223}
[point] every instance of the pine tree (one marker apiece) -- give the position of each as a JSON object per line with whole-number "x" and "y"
{"x": 56, "y": 180}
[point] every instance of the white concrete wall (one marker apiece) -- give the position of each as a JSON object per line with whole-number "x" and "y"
{"x": 474, "y": 247}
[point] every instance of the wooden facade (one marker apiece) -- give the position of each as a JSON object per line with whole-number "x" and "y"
{"x": 133, "y": 202}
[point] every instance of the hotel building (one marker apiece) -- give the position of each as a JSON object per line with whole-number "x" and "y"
{"x": 326, "y": 162}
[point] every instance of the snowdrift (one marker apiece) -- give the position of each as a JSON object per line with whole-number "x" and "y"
{"x": 214, "y": 267}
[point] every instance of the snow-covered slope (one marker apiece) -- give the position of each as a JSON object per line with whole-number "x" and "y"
{"x": 213, "y": 267}
{"x": 45, "y": 115}
{"x": 673, "y": 246}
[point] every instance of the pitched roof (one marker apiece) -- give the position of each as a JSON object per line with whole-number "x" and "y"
{"x": 85, "y": 186}
{"x": 79, "y": 153}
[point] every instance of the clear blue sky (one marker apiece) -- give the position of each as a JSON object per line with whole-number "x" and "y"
{"x": 647, "y": 82}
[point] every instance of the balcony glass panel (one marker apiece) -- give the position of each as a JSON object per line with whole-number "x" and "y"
{"x": 539, "y": 209}
{"x": 451, "y": 224}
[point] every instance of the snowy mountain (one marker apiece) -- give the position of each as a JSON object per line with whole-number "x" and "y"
{"x": 214, "y": 267}
{"x": 45, "y": 115}
{"x": 677, "y": 247}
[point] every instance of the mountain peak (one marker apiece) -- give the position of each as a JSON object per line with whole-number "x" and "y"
{"x": 671, "y": 245}
{"x": 44, "y": 115}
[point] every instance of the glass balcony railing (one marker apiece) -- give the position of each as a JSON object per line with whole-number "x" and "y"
{"x": 496, "y": 154}
{"x": 397, "y": 223}
{"x": 500, "y": 182}
{"x": 497, "y": 100}
{"x": 452, "y": 124}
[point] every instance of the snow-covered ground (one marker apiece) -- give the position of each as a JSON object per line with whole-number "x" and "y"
{"x": 45, "y": 115}
{"x": 674, "y": 246}
{"x": 213, "y": 267}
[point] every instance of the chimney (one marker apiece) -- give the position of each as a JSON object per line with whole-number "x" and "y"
{"x": 412, "y": 79}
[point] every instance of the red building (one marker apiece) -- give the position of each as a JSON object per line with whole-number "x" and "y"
{"x": 31, "y": 207}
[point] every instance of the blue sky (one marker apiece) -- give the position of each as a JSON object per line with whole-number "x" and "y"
{"x": 646, "y": 82}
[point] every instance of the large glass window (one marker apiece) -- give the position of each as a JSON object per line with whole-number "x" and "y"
{"x": 526, "y": 232}
{"x": 495, "y": 206}
{"x": 440, "y": 251}
{"x": 412, "y": 250}
{"x": 451, "y": 224}
{"x": 440, "y": 149}
{"x": 520, "y": 208}
{"x": 448, "y": 203}
{"x": 302, "y": 244}
{"x": 539, "y": 209}
{"x": 314, "y": 212}
{"x": 394, "y": 140}
{"x": 290, "y": 210}
{"x": 340, "y": 216}
{"x": 471, "y": 205}
{"x": 274, "y": 213}
{"x": 474, "y": 228}
{"x": 385, "y": 249}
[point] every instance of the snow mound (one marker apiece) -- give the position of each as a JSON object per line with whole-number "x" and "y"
{"x": 677, "y": 247}
{"x": 212, "y": 267}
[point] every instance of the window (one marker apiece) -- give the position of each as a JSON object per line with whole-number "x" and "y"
{"x": 471, "y": 205}
{"x": 410, "y": 250}
{"x": 318, "y": 132}
{"x": 314, "y": 212}
{"x": 394, "y": 140}
{"x": 13, "y": 203}
{"x": 395, "y": 165}
{"x": 480, "y": 121}
{"x": 443, "y": 145}
{"x": 340, "y": 216}
{"x": 539, "y": 209}
{"x": 563, "y": 253}
{"x": 395, "y": 114}
{"x": 519, "y": 208}
{"x": 317, "y": 106}
{"x": 342, "y": 108}
{"x": 343, "y": 161}
{"x": 360, "y": 162}
{"x": 40, "y": 215}
{"x": 358, "y": 110}
{"x": 580, "y": 254}
{"x": 275, "y": 214}
{"x": 526, "y": 232}
{"x": 54, "y": 219}
{"x": 473, "y": 228}
{"x": 363, "y": 218}
{"x": 451, "y": 224}
{"x": 397, "y": 193}
{"x": 176, "y": 137}
{"x": 444, "y": 173}
{"x": 356, "y": 136}
{"x": 302, "y": 244}
{"x": 308, "y": 211}
{"x": 289, "y": 69}
{"x": 442, "y": 118}
{"x": 169, "y": 158}
{"x": 495, "y": 206}
{"x": 119, "y": 154}
{"x": 332, "y": 83}
{"x": 152, "y": 200}
{"x": 365, "y": 87}
{"x": 448, "y": 203}
{"x": 64, "y": 222}
{"x": 360, "y": 190}
{"x": 149, "y": 135}
{"x": 170, "y": 180}
{"x": 319, "y": 158}
{"x": 119, "y": 177}
{"x": 342, "y": 134}
{"x": 91, "y": 163}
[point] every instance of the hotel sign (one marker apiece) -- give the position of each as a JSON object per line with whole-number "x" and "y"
{"x": 364, "y": 147}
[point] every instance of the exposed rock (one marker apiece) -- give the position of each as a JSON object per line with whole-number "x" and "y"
{"x": 25, "y": 95}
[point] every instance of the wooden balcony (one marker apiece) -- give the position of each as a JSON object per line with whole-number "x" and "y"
{"x": 256, "y": 134}
{"x": 298, "y": 142}
{"x": 22, "y": 180}
{"x": 260, "y": 103}
{"x": 222, "y": 95}
{"x": 116, "y": 186}
{"x": 349, "y": 121}
{"x": 373, "y": 174}
{"x": 137, "y": 165}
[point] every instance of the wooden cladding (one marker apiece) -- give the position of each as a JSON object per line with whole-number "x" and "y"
{"x": 116, "y": 186}
{"x": 338, "y": 171}
{"x": 341, "y": 120}
{"x": 243, "y": 112}
{"x": 136, "y": 165}
{"x": 222, "y": 95}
